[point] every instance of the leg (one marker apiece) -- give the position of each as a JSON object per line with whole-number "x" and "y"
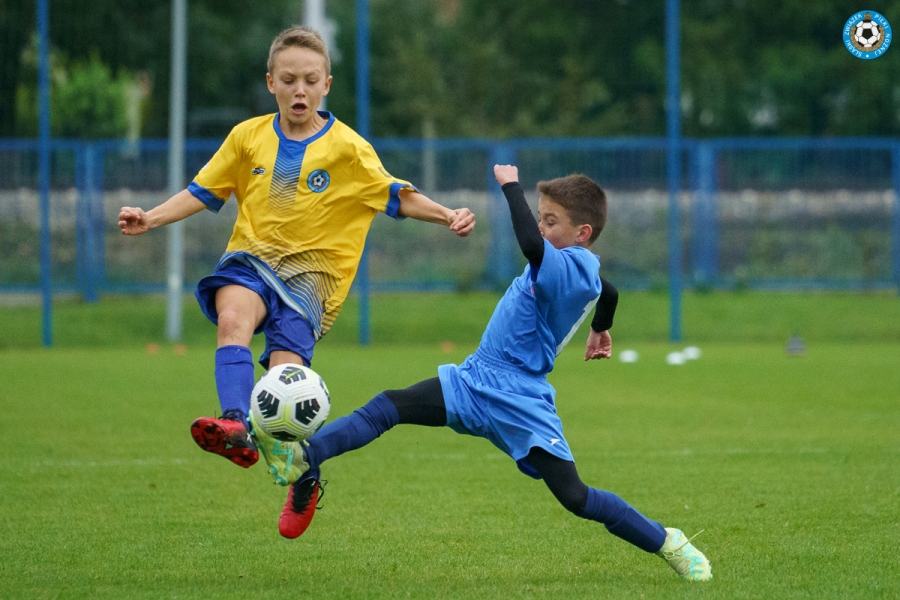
{"x": 620, "y": 518}
{"x": 289, "y": 335}
{"x": 290, "y": 461}
{"x": 420, "y": 404}
{"x": 240, "y": 311}
{"x": 281, "y": 357}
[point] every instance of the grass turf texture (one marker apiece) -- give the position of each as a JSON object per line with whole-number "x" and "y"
{"x": 123, "y": 321}
{"x": 788, "y": 463}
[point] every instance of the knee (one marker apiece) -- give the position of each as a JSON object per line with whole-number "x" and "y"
{"x": 573, "y": 498}
{"x": 232, "y": 323}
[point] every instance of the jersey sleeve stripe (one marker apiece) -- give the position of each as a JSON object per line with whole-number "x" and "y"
{"x": 202, "y": 194}
{"x": 393, "y": 206}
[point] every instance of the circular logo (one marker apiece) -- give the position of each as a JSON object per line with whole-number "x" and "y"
{"x": 867, "y": 35}
{"x": 318, "y": 180}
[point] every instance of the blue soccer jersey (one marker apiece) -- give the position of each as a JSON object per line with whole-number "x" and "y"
{"x": 535, "y": 319}
{"x": 501, "y": 392}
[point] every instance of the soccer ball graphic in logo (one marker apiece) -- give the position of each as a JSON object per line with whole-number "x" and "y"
{"x": 318, "y": 180}
{"x": 867, "y": 34}
{"x": 290, "y": 402}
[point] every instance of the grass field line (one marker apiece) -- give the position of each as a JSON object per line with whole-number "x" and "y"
{"x": 92, "y": 464}
{"x": 163, "y": 462}
{"x": 686, "y": 452}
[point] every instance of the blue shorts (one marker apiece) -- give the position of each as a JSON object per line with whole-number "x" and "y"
{"x": 284, "y": 327}
{"x": 512, "y": 409}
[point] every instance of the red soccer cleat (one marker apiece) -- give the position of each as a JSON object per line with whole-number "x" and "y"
{"x": 300, "y": 507}
{"x": 226, "y": 437}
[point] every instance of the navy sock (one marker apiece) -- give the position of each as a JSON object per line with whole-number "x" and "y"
{"x": 622, "y": 520}
{"x": 234, "y": 378}
{"x": 353, "y": 431}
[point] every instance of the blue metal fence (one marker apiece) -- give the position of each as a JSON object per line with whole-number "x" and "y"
{"x": 758, "y": 213}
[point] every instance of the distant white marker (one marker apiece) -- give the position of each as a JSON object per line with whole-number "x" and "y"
{"x": 628, "y": 356}
{"x": 691, "y": 353}
{"x": 675, "y": 358}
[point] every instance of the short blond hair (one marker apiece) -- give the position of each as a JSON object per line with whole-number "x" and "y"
{"x": 299, "y": 37}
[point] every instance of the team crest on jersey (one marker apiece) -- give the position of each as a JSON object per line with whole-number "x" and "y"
{"x": 318, "y": 180}
{"x": 258, "y": 171}
{"x": 867, "y": 35}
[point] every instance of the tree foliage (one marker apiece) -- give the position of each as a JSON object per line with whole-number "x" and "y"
{"x": 499, "y": 68}
{"x": 85, "y": 100}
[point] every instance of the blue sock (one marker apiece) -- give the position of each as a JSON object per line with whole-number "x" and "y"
{"x": 622, "y": 520}
{"x": 354, "y": 431}
{"x": 234, "y": 378}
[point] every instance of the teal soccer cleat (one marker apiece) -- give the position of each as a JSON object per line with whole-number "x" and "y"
{"x": 284, "y": 459}
{"x": 682, "y": 556}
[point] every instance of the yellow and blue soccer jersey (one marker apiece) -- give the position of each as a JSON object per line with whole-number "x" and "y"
{"x": 304, "y": 208}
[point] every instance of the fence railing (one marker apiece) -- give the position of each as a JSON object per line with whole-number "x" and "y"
{"x": 785, "y": 213}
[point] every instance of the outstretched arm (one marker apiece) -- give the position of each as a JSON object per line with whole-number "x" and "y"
{"x": 599, "y": 343}
{"x": 528, "y": 234}
{"x": 417, "y": 206}
{"x": 134, "y": 221}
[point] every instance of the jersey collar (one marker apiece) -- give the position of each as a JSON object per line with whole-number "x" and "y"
{"x": 322, "y": 113}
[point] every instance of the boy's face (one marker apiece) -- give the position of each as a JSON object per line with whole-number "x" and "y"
{"x": 556, "y": 225}
{"x": 299, "y": 83}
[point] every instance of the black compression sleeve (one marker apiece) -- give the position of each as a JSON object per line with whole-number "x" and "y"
{"x": 606, "y": 307}
{"x": 420, "y": 404}
{"x": 527, "y": 233}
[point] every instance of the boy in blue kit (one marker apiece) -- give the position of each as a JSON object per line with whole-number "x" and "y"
{"x": 307, "y": 188}
{"x": 501, "y": 391}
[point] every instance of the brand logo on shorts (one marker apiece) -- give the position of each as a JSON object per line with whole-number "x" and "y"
{"x": 867, "y": 35}
{"x": 554, "y": 441}
{"x": 258, "y": 171}
{"x": 318, "y": 180}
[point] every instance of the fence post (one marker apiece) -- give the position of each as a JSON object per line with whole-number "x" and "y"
{"x": 86, "y": 223}
{"x": 98, "y": 223}
{"x": 81, "y": 221}
{"x": 363, "y": 127}
{"x": 704, "y": 221}
{"x": 673, "y": 162}
{"x": 501, "y": 262}
{"x": 895, "y": 221}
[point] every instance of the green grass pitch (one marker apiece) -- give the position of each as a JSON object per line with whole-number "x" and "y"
{"x": 789, "y": 464}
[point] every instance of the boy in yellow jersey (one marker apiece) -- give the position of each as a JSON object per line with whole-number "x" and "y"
{"x": 307, "y": 188}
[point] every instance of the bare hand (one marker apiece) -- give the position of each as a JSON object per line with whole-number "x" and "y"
{"x": 599, "y": 345}
{"x": 506, "y": 174}
{"x": 463, "y": 222}
{"x": 133, "y": 221}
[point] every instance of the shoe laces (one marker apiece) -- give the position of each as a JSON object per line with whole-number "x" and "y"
{"x": 303, "y": 492}
{"x": 673, "y": 553}
{"x": 233, "y": 414}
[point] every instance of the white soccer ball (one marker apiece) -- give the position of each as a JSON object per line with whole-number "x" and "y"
{"x": 867, "y": 34}
{"x": 290, "y": 402}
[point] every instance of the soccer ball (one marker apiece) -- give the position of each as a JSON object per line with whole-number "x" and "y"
{"x": 290, "y": 402}
{"x": 866, "y": 34}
